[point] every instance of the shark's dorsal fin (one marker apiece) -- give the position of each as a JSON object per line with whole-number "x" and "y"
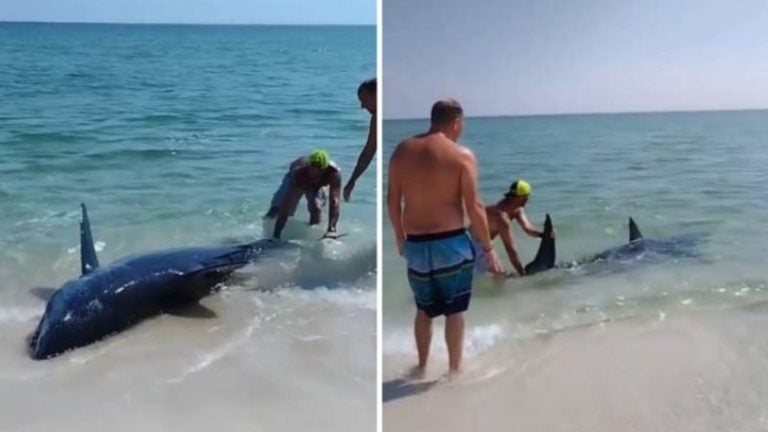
{"x": 545, "y": 257}
{"x": 634, "y": 231}
{"x": 88, "y": 259}
{"x": 43, "y": 293}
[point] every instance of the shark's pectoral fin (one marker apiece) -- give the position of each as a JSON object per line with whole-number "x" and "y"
{"x": 43, "y": 293}
{"x": 193, "y": 310}
{"x": 634, "y": 231}
{"x": 31, "y": 340}
{"x": 545, "y": 257}
{"x": 88, "y": 259}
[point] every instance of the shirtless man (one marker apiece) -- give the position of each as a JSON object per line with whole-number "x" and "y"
{"x": 500, "y": 216}
{"x": 431, "y": 180}
{"x": 308, "y": 176}
{"x": 367, "y": 95}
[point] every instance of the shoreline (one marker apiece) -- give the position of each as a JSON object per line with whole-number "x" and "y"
{"x": 694, "y": 371}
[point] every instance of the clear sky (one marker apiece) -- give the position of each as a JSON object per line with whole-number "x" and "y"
{"x": 502, "y": 57}
{"x": 192, "y": 11}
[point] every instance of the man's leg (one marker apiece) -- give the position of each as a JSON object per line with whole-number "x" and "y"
{"x": 417, "y": 257}
{"x": 454, "y": 338}
{"x": 456, "y": 288}
{"x": 277, "y": 198}
{"x": 422, "y": 329}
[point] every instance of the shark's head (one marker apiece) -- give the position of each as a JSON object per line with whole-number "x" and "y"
{"x": 63, "y": 324}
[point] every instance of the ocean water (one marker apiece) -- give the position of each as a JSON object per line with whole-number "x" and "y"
{"x": 670, "y": 346}
{"x": 177, "y": 136}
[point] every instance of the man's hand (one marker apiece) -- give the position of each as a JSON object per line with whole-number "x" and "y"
{"x": 348, "y": 190}
{"x": 333, "y": 235}
{"x": 551, "y": 235}
{"x": 493, "y": 263}
{"x": 400, "y": 245}
{"x": 330, "y": 232}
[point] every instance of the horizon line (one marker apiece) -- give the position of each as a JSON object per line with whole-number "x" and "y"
{"x": 235, "y": 24}
{"x": 563, "y": 114}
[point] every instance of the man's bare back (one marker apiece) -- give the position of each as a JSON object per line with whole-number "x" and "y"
{"x": 428, "y": 168}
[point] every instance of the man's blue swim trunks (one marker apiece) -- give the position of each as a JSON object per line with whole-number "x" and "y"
{"x": 440, "y": 269}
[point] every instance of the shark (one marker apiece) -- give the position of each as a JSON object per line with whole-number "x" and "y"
{"x": 105, "y": 300}
{"x": 638, "y": 250}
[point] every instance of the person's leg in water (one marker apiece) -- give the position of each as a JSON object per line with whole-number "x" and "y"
{"x": 455, "y": 285}
{"x": 314, "y": 206}
{"x": 422, "y": 330}
{"x": 454, "y": 339}
{"x": 277, "y": 198}
{"x": 440, "y": 270}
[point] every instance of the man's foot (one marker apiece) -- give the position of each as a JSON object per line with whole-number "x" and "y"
{"x": 450, "y": 376}
{"x": 416, "y": 373}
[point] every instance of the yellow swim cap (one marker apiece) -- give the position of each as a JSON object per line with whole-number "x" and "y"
{"x": 319, "y": 158}
{"x": 520, "y": 188}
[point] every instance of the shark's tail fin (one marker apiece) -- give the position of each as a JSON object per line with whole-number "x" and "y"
{"x": 634, "y": 231}
{"x": 88, "y": 259}
{"x": 545, "y": 257}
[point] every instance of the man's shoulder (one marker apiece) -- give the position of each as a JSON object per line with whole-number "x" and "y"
{"x": 333, "y": 172}
{"x": 515, "y": 214}
{"x": 452, "y": 147}
{"x": 465, "y": 152}
{"x": 300, "y": 162}
{"x": 403, "y": 147}
{"x": 410, "y": 141}
{"x": 427, "y": 139}
{"x": 464, "y": 157}
{"x": 494, "y": 211}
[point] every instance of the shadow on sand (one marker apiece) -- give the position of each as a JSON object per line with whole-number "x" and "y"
{"x": 400, "y": 388}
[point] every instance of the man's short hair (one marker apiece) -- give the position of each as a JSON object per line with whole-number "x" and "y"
{"x": 368, "y": 85}
{"x": 446, "y": 111}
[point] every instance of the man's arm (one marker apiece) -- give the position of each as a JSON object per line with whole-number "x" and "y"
{"x": 526, "y": 225}
{"x": 508, "y": 239}
{"x": 290, "y": 201}
{"x": 394, "y": 201}
{"x": 365, "y": 158}
{"x": 335, "y": 204}
{"x": 476, "y": 210}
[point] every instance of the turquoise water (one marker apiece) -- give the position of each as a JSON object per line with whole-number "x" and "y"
{"x": 674, "y": 173}
{"x": 177, "y": 136}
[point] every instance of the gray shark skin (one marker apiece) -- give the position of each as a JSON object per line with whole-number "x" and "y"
{"x": 107, "y": 300}
{"x": 545, "y": 256}
{"x": 638, "y": 250}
